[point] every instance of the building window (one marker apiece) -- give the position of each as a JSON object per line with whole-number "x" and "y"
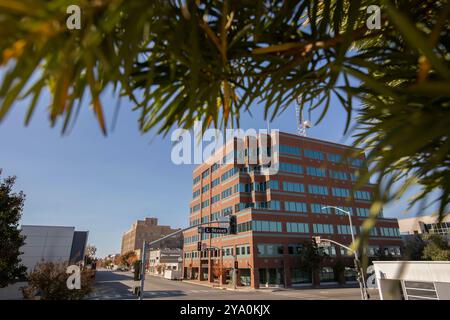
{"x": 355, "y": 162}
{"x": 215, "y": 198}
{"x": 345, "y": 229}
{"x": 323, "y": 228}
{"x": 195, "y": 194}
{"x": 227, "y": 211}
{"x": 316, "y": 172}
{"x": 297, "y": 227}
{"x": 336, "y": 158}
{"x": 326, "y": 274}
{"x": 315, "y": 189}
{"x": 205, "y": 173}
{"x": 289, "y": 150}
{"x": 205, "y": 203}
{"x": 205, "y": 188}
{"x": 196, "y": 180}
{"x": 272, "y": 184}
{"x": 215, "y": 182}
{"x": 339, "y": 175}
{"x": 340, "y": 192}
{"x": 317, "y": 208}
{"x": 227, "y": 192}
{"x": 317, "y": 155}
{"x": 299, "y": 276}
{"x": 290, "y": 167}
{"x": 362, "y": 212}
{"x": 293, "y": 187}
{"x": 346, "y": 209}
{"x": 295, "y": 206}
{"x": 363, "y": 195}
{"x": 270, "y": 226}
{"x": 389, "y": 232}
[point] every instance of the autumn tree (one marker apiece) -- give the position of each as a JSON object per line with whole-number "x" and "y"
{"x": 11, "y": 207}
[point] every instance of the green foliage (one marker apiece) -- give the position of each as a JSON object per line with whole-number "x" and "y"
{"x": 311, "y": 257}
{"x": 437, "y": 248}
{"x": 414, "y": 248}
{"x": 11, "y": 206}
{"x": 49, "y": 281}
{"x": 211, "y": 60}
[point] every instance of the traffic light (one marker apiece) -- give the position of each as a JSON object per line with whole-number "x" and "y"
{"x": 232, "y": 229}
{"x": 199, "y": 246}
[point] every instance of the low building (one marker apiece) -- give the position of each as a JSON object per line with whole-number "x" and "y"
{"x": 413, "y": 280}
{"x": 162, "y": 261}
{"x": 149, "y": 230}
{"x": 424, "y": 225}
{"x": 52, "y": 244}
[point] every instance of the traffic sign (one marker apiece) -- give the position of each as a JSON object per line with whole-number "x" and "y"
{"x": 215, "y": 230}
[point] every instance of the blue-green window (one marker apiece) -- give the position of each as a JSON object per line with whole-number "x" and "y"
{"x": 362, "y": 212}
{"x": 297, "y": 227}
{"x": 340, "y": 192}
{"x": 317, "y": 172}
{"x": 336, "y": 158}
{"x": 227, "y": 192}
{"x": 289, "y": 150}
{"x": 215, "y": 182}
{"x": 363, "y": 195}
{"x": 315, "y": 189}
{"x": 317, "y": 208}
{"x": 270, "y": 226}
{"x": 295, "y": 206}
{"x": 339, "y": 175}
{"x": 293, "y": 186}
{"x": 323, "y": 228}
{"x": 290, "y": 167}
{"x": 317, "y": 155}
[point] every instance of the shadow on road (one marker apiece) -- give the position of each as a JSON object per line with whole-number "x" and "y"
{"x": 101, "y": 275}
{"x": 161, "y": 294}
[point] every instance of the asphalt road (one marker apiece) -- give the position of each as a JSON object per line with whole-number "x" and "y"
{"x": 118, "y": 286}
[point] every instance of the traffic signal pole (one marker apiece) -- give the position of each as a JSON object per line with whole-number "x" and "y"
{"x": 146, "y": 245}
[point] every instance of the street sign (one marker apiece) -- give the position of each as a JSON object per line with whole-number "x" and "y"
{"x": 215, "y": 230}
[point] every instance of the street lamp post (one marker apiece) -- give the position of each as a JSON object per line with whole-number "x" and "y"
{"x": 364, "y": 294}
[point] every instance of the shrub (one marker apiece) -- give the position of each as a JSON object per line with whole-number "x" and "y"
{"x": 48, "y": 281}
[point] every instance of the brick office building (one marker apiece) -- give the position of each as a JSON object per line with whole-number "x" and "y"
{"x": 276, "y": 213}
{"x": 149, "y": 230}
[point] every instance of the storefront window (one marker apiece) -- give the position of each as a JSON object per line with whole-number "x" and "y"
{"x": 299, "y": 277}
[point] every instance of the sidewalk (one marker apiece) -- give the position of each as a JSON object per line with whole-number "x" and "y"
{"x": 217, "y": 286}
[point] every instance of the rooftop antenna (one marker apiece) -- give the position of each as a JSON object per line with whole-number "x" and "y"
{"x": 302, "y": 124}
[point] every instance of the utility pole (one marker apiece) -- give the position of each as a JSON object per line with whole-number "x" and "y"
{"x": 358, "y": 266}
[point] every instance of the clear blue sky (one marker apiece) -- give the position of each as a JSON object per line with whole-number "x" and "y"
{"x": 103, "y": 184}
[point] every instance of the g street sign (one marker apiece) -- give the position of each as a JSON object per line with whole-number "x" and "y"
{"x": 215, "y": 230}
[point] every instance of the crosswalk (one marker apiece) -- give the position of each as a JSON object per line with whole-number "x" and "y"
{"x": 148, "y": 294}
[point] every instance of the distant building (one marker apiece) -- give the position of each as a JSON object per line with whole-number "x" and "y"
{"x": 424, "y": 225}
{"x": 162, "y": 260}
{"x": 149, "y": 230}
{"x": 52, "y": 244}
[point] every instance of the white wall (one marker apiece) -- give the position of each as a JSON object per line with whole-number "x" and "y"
{"x": 46, "y": 243}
